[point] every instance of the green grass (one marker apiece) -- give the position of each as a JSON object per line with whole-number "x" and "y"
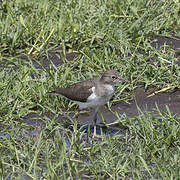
{"x": 107, "y": 34}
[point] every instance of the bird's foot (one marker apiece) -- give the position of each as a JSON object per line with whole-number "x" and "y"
{"x": 96, "y": 136}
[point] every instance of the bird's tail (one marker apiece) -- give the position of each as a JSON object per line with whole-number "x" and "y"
{"x": 54, "y": 93}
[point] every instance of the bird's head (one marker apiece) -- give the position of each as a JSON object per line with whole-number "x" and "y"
{"x": 111, "y": 77}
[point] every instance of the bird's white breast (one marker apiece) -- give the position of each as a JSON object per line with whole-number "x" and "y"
{"x": 110, "y": 89}
{"x": 94, "y": 100}
{"x": 93, "y": 96}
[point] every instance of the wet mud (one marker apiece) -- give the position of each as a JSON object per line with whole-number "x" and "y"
{"x": 54, "y": 58}
{"x": 50, "y": 59}
{"x": 172, "y": 42}
{"x": 142, "y": 102}
{"x": 159, "y": 41}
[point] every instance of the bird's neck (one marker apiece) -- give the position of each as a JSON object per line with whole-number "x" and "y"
{"x": 104, "y": 89}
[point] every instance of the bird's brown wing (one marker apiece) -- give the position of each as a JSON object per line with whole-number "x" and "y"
{"x": 79, "y": 91}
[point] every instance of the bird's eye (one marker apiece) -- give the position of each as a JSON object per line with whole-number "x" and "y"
{"x": 114, "y": 77}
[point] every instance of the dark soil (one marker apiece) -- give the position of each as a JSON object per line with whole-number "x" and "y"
{"x": 141, "y": 103}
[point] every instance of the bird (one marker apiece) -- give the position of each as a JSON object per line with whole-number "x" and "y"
{"x": 91, "y": 93}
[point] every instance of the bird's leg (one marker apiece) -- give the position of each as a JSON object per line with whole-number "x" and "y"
{"x": 76, "y": 114}
{"x": 74, "y": 120}
{"x": 94, "y": 120}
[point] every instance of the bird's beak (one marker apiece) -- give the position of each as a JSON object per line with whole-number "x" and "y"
{"x": 120, "y": 79}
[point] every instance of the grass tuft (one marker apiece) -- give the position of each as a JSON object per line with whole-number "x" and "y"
{"x": 106, "y": 34}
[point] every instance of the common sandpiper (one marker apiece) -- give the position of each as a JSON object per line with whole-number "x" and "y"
{"x": 91, "y": 93}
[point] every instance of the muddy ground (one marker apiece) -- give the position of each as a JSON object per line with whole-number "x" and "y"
{"x": 141, "y": 102}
